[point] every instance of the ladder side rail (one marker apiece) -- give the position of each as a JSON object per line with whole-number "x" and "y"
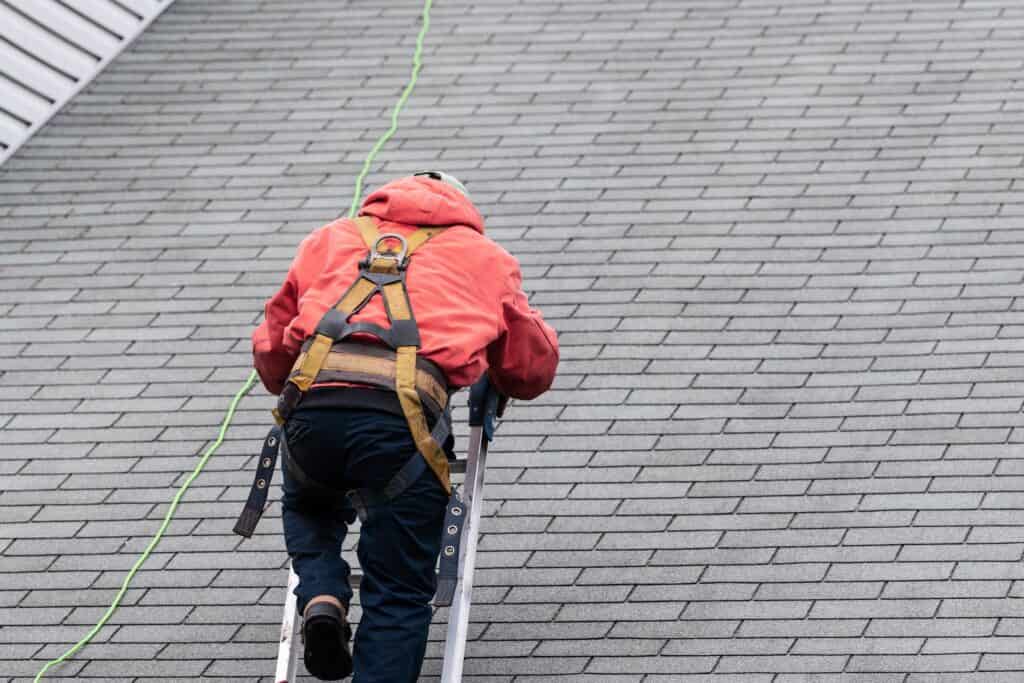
{"x": 287, "y": 653}
{"x": 458, "y": 615}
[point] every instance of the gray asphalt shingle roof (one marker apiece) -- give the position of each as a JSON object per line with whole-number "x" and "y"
{"x": 780, "y": 240}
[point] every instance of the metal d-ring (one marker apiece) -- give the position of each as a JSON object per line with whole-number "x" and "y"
{"x": 400, "y": 258}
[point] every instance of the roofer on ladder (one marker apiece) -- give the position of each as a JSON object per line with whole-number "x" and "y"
{"x": 364, "y": 387}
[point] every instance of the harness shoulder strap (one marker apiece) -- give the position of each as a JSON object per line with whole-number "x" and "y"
{"x": 421, "y": 237}
{"x": 368, "y": 229}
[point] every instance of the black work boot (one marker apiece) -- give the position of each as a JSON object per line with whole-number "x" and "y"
{"x": 326, "y": 635}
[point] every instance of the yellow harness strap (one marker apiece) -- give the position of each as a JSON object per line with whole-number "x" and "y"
{"x": 397, "y": 302}
{"x": 367, "y": 228}
{"x": 312, "y": 362}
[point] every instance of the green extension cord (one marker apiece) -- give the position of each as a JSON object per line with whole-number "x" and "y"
{"x": 251, "y": 380}
{"x": 160, "y": 532}
{"x": 417, "y": 64}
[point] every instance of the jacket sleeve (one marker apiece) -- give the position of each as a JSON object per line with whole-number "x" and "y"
{"x": 524, "y": 357}
{"x": 272, "y": 355}
{"x": 273, "y": 360}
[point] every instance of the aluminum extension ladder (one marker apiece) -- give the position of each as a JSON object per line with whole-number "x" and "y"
{"x": 485, "y": 407}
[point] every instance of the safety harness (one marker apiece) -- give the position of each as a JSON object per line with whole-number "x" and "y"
{"x": 333, "y": 370}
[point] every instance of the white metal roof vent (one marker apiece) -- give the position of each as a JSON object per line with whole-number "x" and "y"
{"x": 51, "y": 49}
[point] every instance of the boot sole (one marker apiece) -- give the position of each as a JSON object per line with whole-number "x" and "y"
{"x": 327, "y": 655}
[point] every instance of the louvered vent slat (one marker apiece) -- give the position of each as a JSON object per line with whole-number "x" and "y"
{"x": 67, "y": 24}
{"x": 22, "y": 103}
{"x": 10, "y": 127}
{"x": 106, "y": 14}
{"x": 29, "y": 71}
{"x": 36, "y": 40}
{"x": 140, "y": 7}
{"x": 51, "y": 49}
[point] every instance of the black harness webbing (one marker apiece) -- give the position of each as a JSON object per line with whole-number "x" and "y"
{"x": 448, "y": 567}
{"x": 361, "y": 498}
{"x": 364, "y": 499}
{"x": 257, "y": 501}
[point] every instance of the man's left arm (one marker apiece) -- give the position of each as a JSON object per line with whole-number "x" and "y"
{"x": 273, "y": 351}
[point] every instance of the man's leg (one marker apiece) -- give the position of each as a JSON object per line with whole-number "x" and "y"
{"x": 398, "y": 547}
{"x": 315, "y": 525}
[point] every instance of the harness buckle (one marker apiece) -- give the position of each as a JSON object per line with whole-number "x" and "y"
{"x": 397, "y": 257}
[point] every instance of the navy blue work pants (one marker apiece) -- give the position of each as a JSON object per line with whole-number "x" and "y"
{"x": 399, "y": 542}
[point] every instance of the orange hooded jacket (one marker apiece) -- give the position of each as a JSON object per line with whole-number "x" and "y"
{"x": 465, "y": 290}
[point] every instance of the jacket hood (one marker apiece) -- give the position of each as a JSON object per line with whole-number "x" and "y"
{"x": 419, "y": 200}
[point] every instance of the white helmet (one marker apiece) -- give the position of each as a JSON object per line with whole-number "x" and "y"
{"x": 446, "y": 178}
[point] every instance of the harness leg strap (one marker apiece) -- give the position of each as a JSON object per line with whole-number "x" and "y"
{"x": 448, "y": 567}
{"x": 256, "y": 503}
{"x": 297, "y": 473}
{"x": 365, "y": 498}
